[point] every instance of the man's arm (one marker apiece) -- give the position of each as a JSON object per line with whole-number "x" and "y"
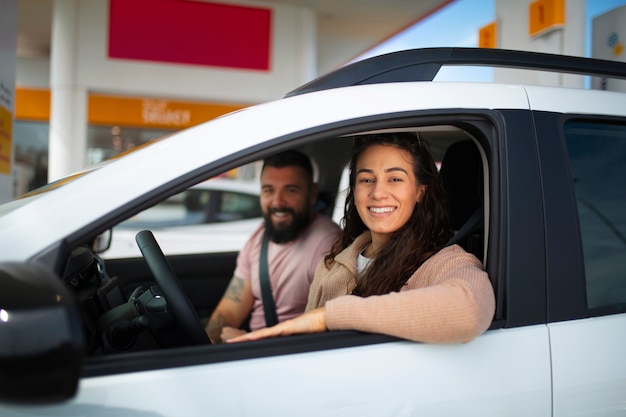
{"x": 232, "y": 310}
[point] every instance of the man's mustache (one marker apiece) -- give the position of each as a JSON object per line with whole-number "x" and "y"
{"x": 281, "y": 210}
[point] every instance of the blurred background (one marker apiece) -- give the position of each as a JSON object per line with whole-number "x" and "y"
{"x": 85, "y": 80}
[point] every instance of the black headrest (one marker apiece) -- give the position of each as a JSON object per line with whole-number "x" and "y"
{"x": 462, "y": 174}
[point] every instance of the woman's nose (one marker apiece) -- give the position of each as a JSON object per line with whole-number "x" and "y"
{"x": 378, "y": 190}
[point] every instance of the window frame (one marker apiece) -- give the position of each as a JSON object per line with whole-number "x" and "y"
{"x": 490, "y": 131}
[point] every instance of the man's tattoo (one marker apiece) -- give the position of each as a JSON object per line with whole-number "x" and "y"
{"x": 218, "y": 321}
{"x": 234, "y": 290}
{"x": 214, "y": 328}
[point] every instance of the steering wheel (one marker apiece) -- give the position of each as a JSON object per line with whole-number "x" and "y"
{"x": 177, "y": 301}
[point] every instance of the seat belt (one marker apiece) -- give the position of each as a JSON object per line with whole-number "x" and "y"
{"x": 269, "y": 308}
{"x": 468, "y": 227}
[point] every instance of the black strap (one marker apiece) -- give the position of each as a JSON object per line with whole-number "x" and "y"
{"x": 266, "y": 287}
{"x": 470, "y": 226}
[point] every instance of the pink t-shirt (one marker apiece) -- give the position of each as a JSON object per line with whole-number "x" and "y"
{"x": 291, "y": 268}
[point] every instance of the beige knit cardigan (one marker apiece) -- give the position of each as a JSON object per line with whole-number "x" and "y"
{"x": 449, "y": 299}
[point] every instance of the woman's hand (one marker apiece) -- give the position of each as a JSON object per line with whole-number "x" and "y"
{"x": 313, "y": 321}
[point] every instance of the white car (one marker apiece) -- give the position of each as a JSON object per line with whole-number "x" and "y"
{"x": 536, "y": 179}
{"x": 218, "y": 215}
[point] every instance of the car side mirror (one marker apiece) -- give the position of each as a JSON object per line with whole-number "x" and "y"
{"x": 41, "y": 335}
{"x": 102, "y": 242}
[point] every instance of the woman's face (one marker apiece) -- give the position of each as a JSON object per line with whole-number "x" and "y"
{"x": 386, "y": 190}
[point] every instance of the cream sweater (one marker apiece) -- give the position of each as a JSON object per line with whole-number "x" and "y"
{"x": 449, "y": 299}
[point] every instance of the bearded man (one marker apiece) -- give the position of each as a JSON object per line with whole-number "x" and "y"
{"x": 297, "y": 239}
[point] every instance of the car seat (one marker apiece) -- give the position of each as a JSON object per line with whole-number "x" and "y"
{"x": 462, "y": 175}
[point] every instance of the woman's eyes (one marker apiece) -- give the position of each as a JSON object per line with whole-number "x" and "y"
{"x": 371, "y": 180}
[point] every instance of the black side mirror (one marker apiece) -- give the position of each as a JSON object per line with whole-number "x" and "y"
{"x": 41, "y": 335}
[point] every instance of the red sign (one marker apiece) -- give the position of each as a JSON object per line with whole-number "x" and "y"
{"x": 190, "y": 32}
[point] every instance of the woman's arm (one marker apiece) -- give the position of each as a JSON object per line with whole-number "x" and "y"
{"x": 448, "y": 300}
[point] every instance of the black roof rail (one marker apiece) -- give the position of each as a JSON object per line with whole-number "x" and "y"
{"x": 424, "y": 64}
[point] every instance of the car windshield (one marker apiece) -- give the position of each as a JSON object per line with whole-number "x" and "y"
{"x": 62, "y": 181}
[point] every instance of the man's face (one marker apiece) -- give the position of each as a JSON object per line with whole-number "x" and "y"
{"x": 287, "y": 199}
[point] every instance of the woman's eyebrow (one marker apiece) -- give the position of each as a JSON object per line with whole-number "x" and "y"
{"x": 392, "y": 169}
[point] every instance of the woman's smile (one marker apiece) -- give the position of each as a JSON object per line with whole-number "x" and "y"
{"x": 382, "y": 210}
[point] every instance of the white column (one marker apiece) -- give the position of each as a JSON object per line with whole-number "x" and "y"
{"x": 8, "y": 46}
{"x": 514, "y": 16}
{"x": 68, "y": 111}
{"x": 607, "y": 42}
{"x": 308, "y": 46}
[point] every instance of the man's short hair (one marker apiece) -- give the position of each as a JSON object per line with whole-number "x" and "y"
{"x": 290, "y": 158}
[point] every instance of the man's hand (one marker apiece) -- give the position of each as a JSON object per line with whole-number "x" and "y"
{"x": 313, "y": 321}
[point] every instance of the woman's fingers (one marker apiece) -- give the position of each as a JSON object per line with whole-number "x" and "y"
{"x": 310, "y": 322}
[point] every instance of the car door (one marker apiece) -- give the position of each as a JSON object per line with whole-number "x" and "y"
{"x": 585, "y": 179}
{"x": 506, "y": 371}
{"x": 337, "y": 374}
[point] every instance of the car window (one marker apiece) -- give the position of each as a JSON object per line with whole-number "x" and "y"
{"x": 597, "y": 153}
{"x": 197, "y": 206}
{"x": 204, "y": 257}
{"x": 237, "y": 206}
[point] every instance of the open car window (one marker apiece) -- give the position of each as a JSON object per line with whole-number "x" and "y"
{"x": 108, "y": 286}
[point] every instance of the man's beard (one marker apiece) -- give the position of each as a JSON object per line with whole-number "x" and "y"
{"x": 287, "y": 233}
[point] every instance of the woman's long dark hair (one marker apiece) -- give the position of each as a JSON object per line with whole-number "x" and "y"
{"x": 425, "y": 233}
